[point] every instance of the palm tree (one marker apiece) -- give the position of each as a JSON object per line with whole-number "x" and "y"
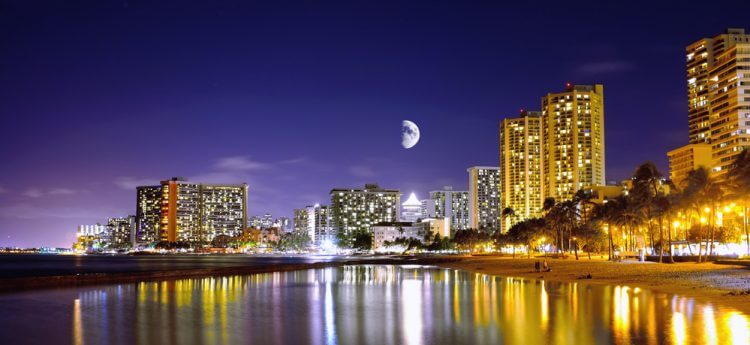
{"x": 508, "y": 212}
{"x": 647, "y": 181}
{"x": 702, "y": 189}
{"x": 740, "y": 187}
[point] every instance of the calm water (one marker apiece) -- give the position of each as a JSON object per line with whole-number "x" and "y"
{"x": 28, "y": 265}
{"x": 364, "y": 305}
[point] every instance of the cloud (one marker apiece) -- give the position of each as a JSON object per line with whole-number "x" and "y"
{"x": 130, "y": 182}
{"x": 33, "y": 193}
{"x": 66, "y": 191}
{"x": 38, "y": 193}
{"x": 295, "y": 160}
{"x": 612, "y": 66}
{"x": 27, "y": 211}
{"x": 3, "y": 190}
{"x": 362, "y": 171}
{"x": 240, "y": 163}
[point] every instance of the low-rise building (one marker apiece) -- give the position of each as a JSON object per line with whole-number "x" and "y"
{"x": 390, "y": 231}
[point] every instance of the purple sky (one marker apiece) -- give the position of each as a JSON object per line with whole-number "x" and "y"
{"x": 295, "y": 99}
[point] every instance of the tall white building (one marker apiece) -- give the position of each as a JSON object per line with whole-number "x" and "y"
{"x": 451, "y": 204}
{"x": 484, "y": 198}
{"x": 411, "y": 209}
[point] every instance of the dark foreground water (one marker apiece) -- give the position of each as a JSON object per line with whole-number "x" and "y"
{"x": 363, "y": 305}
{"x": 39, "y": 265}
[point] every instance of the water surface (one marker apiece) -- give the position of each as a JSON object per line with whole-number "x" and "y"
{"x": 364, "y": 305}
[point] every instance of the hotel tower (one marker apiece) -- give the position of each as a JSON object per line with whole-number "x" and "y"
{"x": 521, "y": 166}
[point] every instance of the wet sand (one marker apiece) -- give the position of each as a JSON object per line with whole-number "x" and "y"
{"x": 725, "y": 285}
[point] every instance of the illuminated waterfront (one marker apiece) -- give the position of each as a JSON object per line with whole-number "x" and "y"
{"x": 365, "y": 304}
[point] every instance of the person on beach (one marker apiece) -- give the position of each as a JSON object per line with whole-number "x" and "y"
{"x": 545, "y": 267}
{"x": 537, "y": 266}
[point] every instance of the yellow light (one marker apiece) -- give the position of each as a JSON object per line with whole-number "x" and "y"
{"x": 676, "y": 224}
{"x": 727, "y": 209}
{"x": 706, "y": 210}
{"x": 703, "y": 220}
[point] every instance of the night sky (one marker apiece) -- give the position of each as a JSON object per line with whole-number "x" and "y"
{"x": 296, "y": 99}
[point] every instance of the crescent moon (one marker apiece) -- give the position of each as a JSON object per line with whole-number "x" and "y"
{"x": 409, "y": 134}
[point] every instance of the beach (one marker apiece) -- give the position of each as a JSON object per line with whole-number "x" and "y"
{"x": 725, "y": 285}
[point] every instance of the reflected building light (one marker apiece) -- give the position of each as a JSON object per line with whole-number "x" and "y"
{"x": 329, "y": 317}
{"x": 678, "y": 328}
{"x": 622, "y": 313}
{"x": 544, "y": 306}
{"x": 709, "y": 326}
{"x": 412, "y": 311}
{"x": 77, "y": 323}
{"x": 739, "y": 327}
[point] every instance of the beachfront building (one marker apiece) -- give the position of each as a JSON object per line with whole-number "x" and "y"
{"x": 484, "y": 198}
{"x": 121, "y": 232}
{"x": 191, "y": 212}
{"x": 521, "y": 167}
{"x": 390, "y": 231}
{"x": 411, "y": 209}
{"x": 687, "y": 158}
{"x": 148, "y": 214}
{"x": 451, "y": 204}
{"x": 357, "y": 210}
{"x": 573, "y": 140}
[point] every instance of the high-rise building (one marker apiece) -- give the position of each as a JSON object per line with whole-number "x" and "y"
{"x": 356, "y": 210}
{"x": 718, "y": 83}
{"x": 193, "y": 212}
{"x": 300, "y": 220}
{"x": 687, "y": 158}
{"x": 411, "y": 209}
{"x": 315, "y": 221}
{"x": 521, "y": 166}
{"x": 148, "y": 214}
{"x": 451, "y": 204}
{"x": 707, "y": 59}
{"x": 484, "y": 198}
{"x": 91, "y": 237}
{"x": 121, "y": 231}
{"x": 573, "y": 140}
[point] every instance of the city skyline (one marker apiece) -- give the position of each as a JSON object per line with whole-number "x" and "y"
{"x": 297, "y": 109}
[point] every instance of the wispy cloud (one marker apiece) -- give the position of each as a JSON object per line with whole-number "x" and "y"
{"x": 612, "y": 66}
{"x": 130, "y": 183}
{"x": 240, "y": 163}
{"x": 362, "y": 171}
{"x": 33, "y": 193}
{"x": 38, "y": 192}
{"x": 296, "y": 160}
{"x": 28, "y": 211}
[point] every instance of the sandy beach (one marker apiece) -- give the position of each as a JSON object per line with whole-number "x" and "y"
{"x": 719, "y": 284}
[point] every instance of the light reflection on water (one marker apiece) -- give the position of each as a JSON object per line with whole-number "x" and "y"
{"x": 366, "y": 304}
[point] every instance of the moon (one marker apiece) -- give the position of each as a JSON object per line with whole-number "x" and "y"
{"x": 409, "y": 134}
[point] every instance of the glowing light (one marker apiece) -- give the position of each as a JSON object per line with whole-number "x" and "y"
{"x": 739, "y": 327}
{"x": 678, "y": 328}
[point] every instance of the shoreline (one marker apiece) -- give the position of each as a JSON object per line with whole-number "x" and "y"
{"x": 11, "y": 285}
{"x": 718, "y": 284}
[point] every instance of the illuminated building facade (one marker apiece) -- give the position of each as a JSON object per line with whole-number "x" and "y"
{"x": 718, "y": 84}
{"x": 687, "y": 158}
{"x": 484, "y": 198}
{"x": 521, "y": 167}
{"x": 451, "y": 204}
{"x": 193, "y": 212}
{"x": 390, "y": 231}
{"x": 357, "y": 210}
{"x": 315, "y": 221}
{"x": 573, "y": 140}
{"x": 148, "y": 214}
{"x": 411, "y": 209}
{"x": 121, "y": 231}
